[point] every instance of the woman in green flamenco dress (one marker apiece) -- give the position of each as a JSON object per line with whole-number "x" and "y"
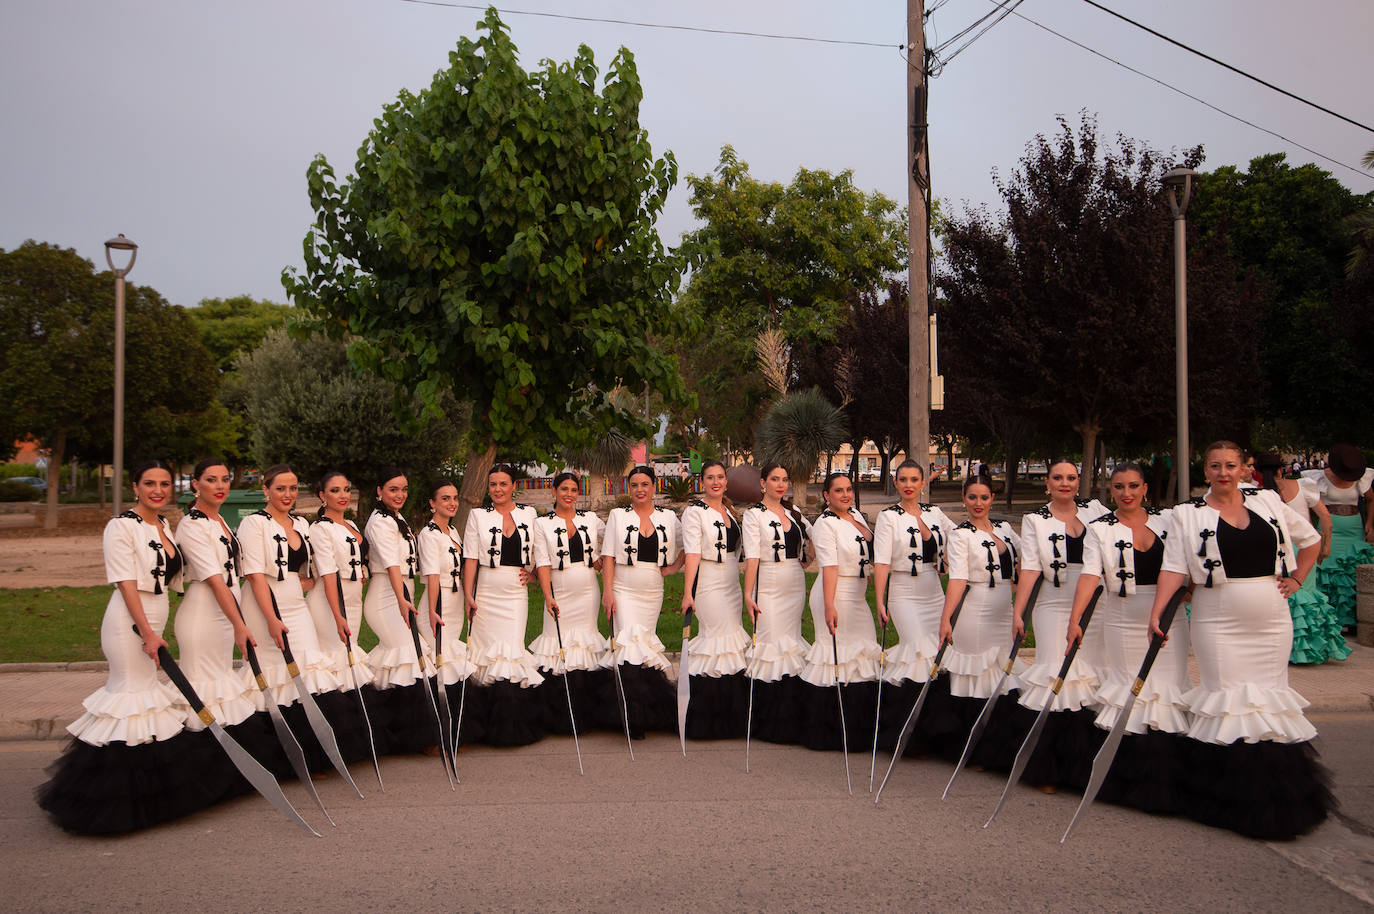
{"x": 1316, "y": 630}
{"x": 1340, "y": 486}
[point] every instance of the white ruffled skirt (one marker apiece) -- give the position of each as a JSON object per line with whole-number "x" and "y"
{"x": 915, "y": 603}
{"x": 856, "y": 638}
{"x": 133, "y": 706}
{"x": 579, "y": 601}
{"x": 1242, "y": 634}
{"x": 496, "y": 642}
{"x": 456, "y": 665}
{"x": 779, "y": 648}
{"x": 1124, "y": 623}
{"x": 328, "y": 633}
{"x": 1050, "y": 618}
{"x": 315, "y": 668}
{"x": 392, "y": 661}
{"x": 981, "y": 642}
{"x": 205, "y": 641}
{"x": 638, "y": 592}
{"x": 720, "y": 647}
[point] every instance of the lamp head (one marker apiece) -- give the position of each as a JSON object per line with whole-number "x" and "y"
{"x": 120, "y": 243}
{"x": 1179, "y": 183}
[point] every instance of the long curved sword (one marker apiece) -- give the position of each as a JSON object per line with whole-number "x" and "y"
{"x": 1033, "y": 737}
{"x": 623, "y": 706}
{"x": 839, "y": 697}
{"x": 684, "y": 682}
{"x": 323, "y": 731}
{"x": 986, "y": 714}
{"x": 289, "y": 744}
{"x": 910, "y": 725}
{"x": 357, "y": 690}
{"x": 249, "y": 767}
{"x": 424, "y": 674}
{"x": 878, "y": 714}
{"x": 445, "y": 712}
{"x": 1102, "y": 763}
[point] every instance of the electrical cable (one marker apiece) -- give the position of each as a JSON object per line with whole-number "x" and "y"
{"x": 655, "y": 25}
{"x": 1233, "y": 69}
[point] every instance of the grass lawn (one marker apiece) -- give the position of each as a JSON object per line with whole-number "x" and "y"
{"x": 55, "y": 624}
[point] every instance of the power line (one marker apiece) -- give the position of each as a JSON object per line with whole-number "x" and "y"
{"x": 1233, "y": 69}
{"x": 942, "y": 61}
{"x": 658, "y": 25}
{"x": 1173, "y": 88}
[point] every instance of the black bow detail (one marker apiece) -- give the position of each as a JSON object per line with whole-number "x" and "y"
{"x": 915, "y": 562}
{"x": 1055, "y": 565}
{"x": 1054, "y": 542}
{"x": 662, "y": 545}
{"x": 1121, "y": 547}
{"x": 281, "y": 560}
{"x": 159, "y": 572}
{"x": 493, "y": 550}
{"x": 720, "y": 540}
{"x": 524, "y": 541}
{"x": 912, "y": 531}
{"x": 353, "y": 562}
{"x": 1202, "y": 550}
{"x": 457, "y": 571}
{"x": 1210, "y": 564}
{"x": 863, "y": 552}
{"x": 586, "y": 545}
{"x": 992, "y": 563}
{"x": 1123, "y": 574}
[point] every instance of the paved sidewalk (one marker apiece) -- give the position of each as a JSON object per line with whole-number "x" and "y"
{"x": 39, "y": 700}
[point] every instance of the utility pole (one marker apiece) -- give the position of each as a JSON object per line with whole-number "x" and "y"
{"x": 918, "y": 275}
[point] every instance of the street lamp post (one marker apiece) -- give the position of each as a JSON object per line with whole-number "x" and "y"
{"x": 1179, "y": 183}
{"x": 119, "y": 243}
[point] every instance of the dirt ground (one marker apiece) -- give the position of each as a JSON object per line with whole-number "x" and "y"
{"x": 51, "y": 561}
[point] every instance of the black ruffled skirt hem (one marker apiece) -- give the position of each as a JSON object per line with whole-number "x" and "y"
{"x": 821, "y": 720}
{"x": 502, "y": 713}
{"x": 117, "y": 788}
{"x": 1266, "y": 790}
{"x": 777, "y": 716}
{"x": 719, "y": 707}
{"x": 650, "y": 701}
{"x": 586, "y": 688}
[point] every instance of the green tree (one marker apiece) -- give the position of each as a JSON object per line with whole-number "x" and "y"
{"x": 497, "y": 242}
{"x": 1057, "y": 318}
{"x": 57, "y": 372}
{"x": 1292, "y": 227}
{"x": 309, "y": 410}
{"x": 768, "y": 255}
{"x": 796, "y": 430}
{"x": 232, "y": 326}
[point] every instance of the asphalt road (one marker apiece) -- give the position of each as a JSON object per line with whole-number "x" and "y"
{"x": 525, "y": 833}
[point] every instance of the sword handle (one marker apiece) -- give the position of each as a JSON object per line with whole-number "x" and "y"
{"x": 285, "y": 639}
{"x": 183, "y": 685}
{"x": 1166, "y": 619}
{"x": 687, "y": 625}
{"x": 1083, "y": 621}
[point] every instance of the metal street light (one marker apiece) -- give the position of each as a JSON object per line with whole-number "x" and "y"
{"x": 1179, "y": 183}
{"x": 119, "y": 243}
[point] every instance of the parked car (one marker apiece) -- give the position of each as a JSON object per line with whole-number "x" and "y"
{"x": 33, "y": 482}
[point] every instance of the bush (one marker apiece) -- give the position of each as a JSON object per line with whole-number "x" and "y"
{"x": 9, "y": 470}
{"x": 18, "y": 491}
{"x": 677, "y": 489}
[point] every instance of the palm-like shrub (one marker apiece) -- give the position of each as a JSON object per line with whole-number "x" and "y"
{"x": 795, "y": 431}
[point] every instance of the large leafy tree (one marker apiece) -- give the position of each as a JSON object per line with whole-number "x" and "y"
{"x": 788, "y": 257}
{"x": 496, "y": 241}
{"x": 230, "y": 327}
{"x": 57, "y": 365}
{"x": 307, "y": 409}
{"x": 1294, "y": 226}
{"x": 1057, "y": 318}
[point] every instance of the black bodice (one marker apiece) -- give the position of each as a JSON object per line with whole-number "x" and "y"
{"x": 173, "y": 565}
{"x": 1247, "y": 553}
{"x": 512, "y": 554}
{"x": 1073, "y": 548}
{"x": 1148, "y": 563}
{"x": 296, "y": 557}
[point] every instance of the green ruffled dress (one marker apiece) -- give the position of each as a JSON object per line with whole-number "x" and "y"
{"x": 1336, "y": 575}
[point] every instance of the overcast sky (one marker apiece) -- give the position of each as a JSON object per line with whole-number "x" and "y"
{"x": 188, "y": 125}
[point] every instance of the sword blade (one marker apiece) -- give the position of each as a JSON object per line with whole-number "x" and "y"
{"x": 259, "y": 777}
{"x": 979, "y": 726}
{"x": 749, "y": 718}
{"x": 249, "y": 767}
{"x": 878, "y": 713}
{"x": 567, "y": 688}
{"x": 367, "y": 720}
{"x": 839, "y": 697}
{"x": 905, "y": 736}
{"x": 323, "y": 731}
{"x": 684, "y": 682}
{"x": 1102, "y": 763}
{"x": 289, "y": 744}
{"x": 1023, "y": 756}
{"x": 620, "y": 690}
{"x": 433, "y": 706}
